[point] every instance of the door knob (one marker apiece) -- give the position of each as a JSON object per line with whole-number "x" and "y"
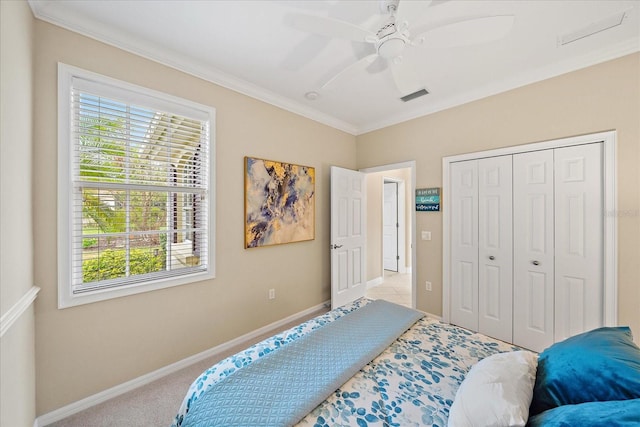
{"x": 492, "y": 257}
{"x": 535, "y": 262}
{"x": 336, "y": 246}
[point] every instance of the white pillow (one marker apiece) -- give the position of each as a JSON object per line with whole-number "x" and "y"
{"x": 497, "y": 391}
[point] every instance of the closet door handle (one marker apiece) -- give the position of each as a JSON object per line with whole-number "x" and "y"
{"x": 336, "y": 246}
{"x": 492, "y": 257}
{"x": 535, "y": 262}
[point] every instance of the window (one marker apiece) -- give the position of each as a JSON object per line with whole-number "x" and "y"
{"x": 135, "y": 189}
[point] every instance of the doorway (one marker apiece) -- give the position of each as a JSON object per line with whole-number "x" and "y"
{"x": 394, "y": 225}
{"x": 387, "y": 279}
{"x": 390, "y": 225}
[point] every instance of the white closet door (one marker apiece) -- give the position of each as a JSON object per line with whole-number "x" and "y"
{"x": 533, "y": 240}
{"x": 495, "y": 247}
{"x": 578, "y": 240}
{"x": 464, "y": 244}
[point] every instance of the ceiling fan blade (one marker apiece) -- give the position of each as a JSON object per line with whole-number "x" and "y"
{"x": 304, "y": 52}
{"x": 463, "y": 33}
{"x": 406, "y": 79}
{"x": 351, "y": 71}
{"x": 330, "y": 27}
{"x": 378, "y": 65}
{"x": 409, "y": 10}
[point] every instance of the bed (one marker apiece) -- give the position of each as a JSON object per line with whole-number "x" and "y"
{"x": 411, "y": 379}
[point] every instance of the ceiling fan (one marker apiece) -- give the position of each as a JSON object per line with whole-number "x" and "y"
{"x": 395, "y": 36}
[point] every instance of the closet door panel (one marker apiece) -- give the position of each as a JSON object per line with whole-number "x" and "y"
{"x": 495, "y": 250}
{"x": 533, "y": 258}
{"x": 578, "y": 240}
{"x": 464, "y": 244}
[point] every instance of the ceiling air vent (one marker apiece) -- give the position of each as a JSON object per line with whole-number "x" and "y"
{"x": 414, "y": 95}
{"x": 592, "y": 28}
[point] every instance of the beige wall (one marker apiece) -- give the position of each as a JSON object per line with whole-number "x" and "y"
{"x": 87, "y": 349}
{"x": 375, "y": 182}
{"x": 599, "y": 98}
{"x": 17, "y": 364}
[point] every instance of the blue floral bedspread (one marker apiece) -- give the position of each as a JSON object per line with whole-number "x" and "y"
{"x": 412, "y": 383}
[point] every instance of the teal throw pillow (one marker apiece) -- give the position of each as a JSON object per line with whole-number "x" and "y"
{"x": 599, "y": 365}
{"x": 614, "y": 413}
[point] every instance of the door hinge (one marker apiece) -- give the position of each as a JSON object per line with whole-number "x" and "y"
{"x": 397, "y": 257}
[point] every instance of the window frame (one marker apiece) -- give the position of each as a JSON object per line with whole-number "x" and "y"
{"x": 148, "y": 98}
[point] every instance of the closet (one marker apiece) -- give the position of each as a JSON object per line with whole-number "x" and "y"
{"x": 526, "y": 239}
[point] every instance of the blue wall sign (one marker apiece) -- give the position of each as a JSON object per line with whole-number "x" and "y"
{"x": 427, "y": 199}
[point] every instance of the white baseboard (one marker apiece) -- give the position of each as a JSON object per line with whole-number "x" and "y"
{"x": 434, "y": 316}
{"x": 103, "y": 396}
{"x": 374, "y": 282}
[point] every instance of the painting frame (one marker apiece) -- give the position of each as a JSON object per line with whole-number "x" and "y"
{"x": 279, "y": 202}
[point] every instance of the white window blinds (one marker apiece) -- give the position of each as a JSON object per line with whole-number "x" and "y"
{"x": 139, "y": 188}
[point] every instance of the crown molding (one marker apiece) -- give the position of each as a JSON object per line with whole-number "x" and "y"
{"x": 97, "y": 31}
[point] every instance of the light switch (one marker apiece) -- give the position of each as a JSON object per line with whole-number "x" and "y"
{"x": 426, "y": 235}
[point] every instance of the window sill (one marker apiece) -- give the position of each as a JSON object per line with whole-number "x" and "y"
{"x": 69, "y": 299}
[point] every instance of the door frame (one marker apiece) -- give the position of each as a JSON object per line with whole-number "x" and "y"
{"x": 610, "y": 261}
{"x": 411, "y": 164}
{"x": 402, "y": 227}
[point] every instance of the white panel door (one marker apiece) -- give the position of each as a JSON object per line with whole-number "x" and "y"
{"x": 348, "y": 236}
{"x": 464, "y": 244}
{"x": 390, "y": 226}
{"x": 533, "y": 258}
{"x": 495, "y": 247}
{"x": 578, "y": 240}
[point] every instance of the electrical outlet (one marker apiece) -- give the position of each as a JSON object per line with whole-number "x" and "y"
{"x": 427, "y": 286}
{"x": 272, "y": 294}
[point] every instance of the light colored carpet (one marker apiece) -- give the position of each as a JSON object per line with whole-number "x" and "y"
{"x": 156, "y": 403}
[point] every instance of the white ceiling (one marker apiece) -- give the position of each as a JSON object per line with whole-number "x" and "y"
{"x": 251, "y": 47}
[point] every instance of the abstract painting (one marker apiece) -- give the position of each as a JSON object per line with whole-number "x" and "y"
{"x": 279, "y": 202}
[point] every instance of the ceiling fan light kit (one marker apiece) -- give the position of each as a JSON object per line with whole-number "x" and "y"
{"x": 391, "y": 48}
